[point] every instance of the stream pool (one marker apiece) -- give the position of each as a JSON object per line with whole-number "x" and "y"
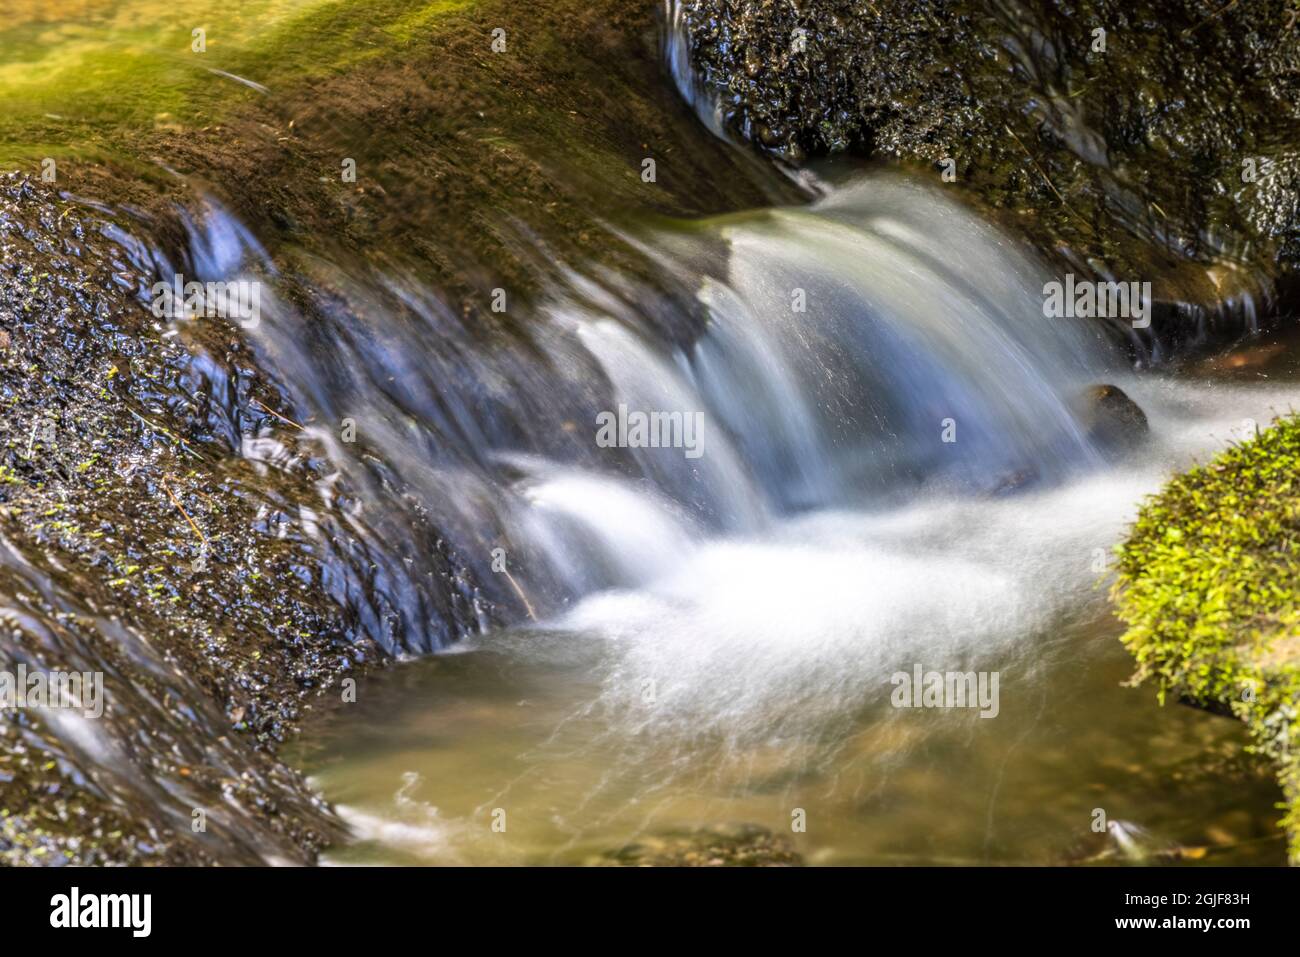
{"x": 702, "y": 712}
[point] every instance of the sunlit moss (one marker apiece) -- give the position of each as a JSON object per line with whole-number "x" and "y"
{"x": 1209, "y": 586}
{"x": 73, "y": 70}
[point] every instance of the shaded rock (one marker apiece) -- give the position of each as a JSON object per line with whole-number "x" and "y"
{"x": 1144, "y": 140}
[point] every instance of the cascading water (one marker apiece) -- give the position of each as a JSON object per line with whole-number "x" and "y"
{"x": 887, "y": 467}
{"x": 834, "y": 356}
{"x": 716, "y": 631}
{"x": 645, "y": 541}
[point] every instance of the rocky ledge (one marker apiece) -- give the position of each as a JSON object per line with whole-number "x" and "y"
{"x": 1141, "y": 139}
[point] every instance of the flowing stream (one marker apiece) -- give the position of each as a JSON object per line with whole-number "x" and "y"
{"x": 891, "y": 470}
{"x": 650, "y": 546}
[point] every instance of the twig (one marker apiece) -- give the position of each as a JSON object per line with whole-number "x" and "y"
{"x": 181, "y": 508}
{"x": 276, "y": 414}
{"x": 1213, "y": 16}
{"x": 1047, "y": 179}
{"x": 520, "y": 592}
{"x": 171, "y": 435}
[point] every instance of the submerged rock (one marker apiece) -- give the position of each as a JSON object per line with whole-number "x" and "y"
{"x": 1016, "y": 481}
{"x": 1123, "y": 842}
{"x": 743, "y": 845}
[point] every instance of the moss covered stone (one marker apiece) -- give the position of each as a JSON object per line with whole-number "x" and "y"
{"x": 1209, "y": 587}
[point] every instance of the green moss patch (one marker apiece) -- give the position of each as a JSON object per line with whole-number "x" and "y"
{"x": 1209, "y": 587}
{"x": 74, "y": 81}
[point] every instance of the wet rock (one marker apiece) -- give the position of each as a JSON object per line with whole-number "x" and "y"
{"x": 1252, "y": 361}
{"x": 1123, "y": 842}
{"x": 1143, "y": 140}
{"x": 137, "y": 545}
{"x": 1016, "y": 481}
{"x": 1111, "y": 420}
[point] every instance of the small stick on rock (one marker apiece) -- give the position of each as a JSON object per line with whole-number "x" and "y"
{"x": 181, "y": 508}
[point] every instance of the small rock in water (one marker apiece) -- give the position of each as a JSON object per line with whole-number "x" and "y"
{"x": 743, "y": 845}
{"x": 1254, "y": 360}
{"x": 1015, "y": 481}
{"x": 1112, "y": 421}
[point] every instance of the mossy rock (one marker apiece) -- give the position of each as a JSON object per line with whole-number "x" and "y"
{"x": 464, "y": 157}
{"x": 1209, "y": 587}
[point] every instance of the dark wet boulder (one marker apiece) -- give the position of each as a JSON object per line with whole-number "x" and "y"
{"x": 138, "y": 545}
{"x": 1142, "y": 140}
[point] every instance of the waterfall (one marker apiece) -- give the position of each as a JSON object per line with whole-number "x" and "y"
{"x": 880, "y": 341}
{"x": 888, "y": 468}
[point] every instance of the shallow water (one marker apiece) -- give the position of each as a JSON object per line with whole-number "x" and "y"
{"x": 721, "y": 652}
{"x": 751, "y": 679}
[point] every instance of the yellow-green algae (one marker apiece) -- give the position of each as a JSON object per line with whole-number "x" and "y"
{"x": 75, "y": 74}
{"x": 1209, "y": 587}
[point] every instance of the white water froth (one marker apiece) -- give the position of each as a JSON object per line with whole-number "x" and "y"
{"x": 852, "y": 541}
{"x": 736, "y": 619}
{"x": 779, "y": 636}
{"x": 633, "y": 533}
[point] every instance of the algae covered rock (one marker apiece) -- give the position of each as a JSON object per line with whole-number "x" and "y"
{"x": 1209, "y": 587}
